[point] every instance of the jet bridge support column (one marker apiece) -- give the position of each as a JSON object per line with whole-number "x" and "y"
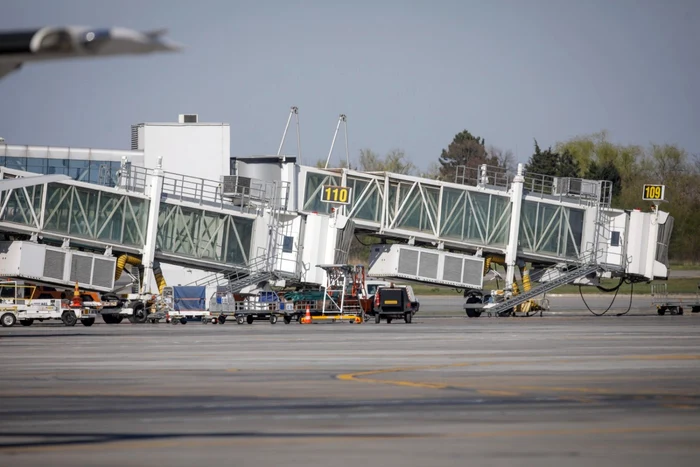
{"x": 512, "y": 248}
{"x": 149, "y": 249}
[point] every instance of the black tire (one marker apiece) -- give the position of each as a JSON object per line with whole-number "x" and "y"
{"x": 471, "y": 312}
{"x": 8, "y": 320}
{"x": 695, "y": 309}
{"x": 680, "y": 310}
{"x": 249, "y": 319}
{"x": 69, "y": 319}
{"x": 108, "y": 318}
{"x": 661, "y": 311}
{"x": 88, "y": 321}
{"x": 183, "y": 320}
{"x": 273, "y": 319}
{"x": 140, "y": 315}
{"x": 240, "y": 319}
{"x": 222, "y": 319}
{"x": 408, "y": 317}
{"x": 377, "y": 318}
{"x": 389, "y": 320}
{"x": 26, "y": 322}
{"x": 287, "y": 319}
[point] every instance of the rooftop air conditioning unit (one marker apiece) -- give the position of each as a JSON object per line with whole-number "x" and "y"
{"x": 235, "y": 185}
{"x": 188, "y": 118}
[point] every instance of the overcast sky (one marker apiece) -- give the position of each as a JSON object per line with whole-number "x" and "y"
{"x": 408, "y": 74}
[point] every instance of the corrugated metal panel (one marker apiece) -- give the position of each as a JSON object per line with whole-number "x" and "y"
{"x": 473, "y": 272}
{"x": 453, "y": 269}
{"x": 103, "y": 273}
{"x": 429, "y": 265}
{"x": 54, "y": 262}
{"x": 81, "y": 269}
{"x": 408, "y": 262}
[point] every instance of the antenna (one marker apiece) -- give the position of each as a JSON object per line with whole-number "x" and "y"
{"x": 292, "y": 111}
{"x": 341, "y": 119}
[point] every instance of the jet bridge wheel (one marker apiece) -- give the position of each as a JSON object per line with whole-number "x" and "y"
{"x": 472, "y": 313}
{"x": 8, "y": 320}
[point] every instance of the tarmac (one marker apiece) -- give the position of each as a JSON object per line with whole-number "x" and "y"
{"x": 564, "y": 389}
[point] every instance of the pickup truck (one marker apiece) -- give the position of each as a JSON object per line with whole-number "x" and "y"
{"x": 394, "y": 303}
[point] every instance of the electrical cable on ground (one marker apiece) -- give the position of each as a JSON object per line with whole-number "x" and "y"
{"x": 617, "y": 289}
{"x": 629, "y": 307}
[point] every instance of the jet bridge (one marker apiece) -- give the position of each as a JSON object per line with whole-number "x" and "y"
{"x": 153, "y": 215}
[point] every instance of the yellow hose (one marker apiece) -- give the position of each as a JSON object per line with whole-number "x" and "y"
{"x": 122, "y": 261}
{"x": 160, "y": 280}
{"x": 526, "y": 278}
{"x": 487, "y": 265}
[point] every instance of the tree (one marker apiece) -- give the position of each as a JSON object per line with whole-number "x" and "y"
{"x": 606, "y": 171}
{"x": 464, "y": 150}
{"x": 394, "y": 161}
{"x": 542, "y": 162}
{"x": 504, "y": 159}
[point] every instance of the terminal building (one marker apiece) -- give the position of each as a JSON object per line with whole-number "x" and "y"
{"x": 188, "y": 146}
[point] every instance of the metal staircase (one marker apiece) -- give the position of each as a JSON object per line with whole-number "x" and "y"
{"x": 589, "y": 262}
{"x": 571, "y": 275}
{"x": 264, "y": 266}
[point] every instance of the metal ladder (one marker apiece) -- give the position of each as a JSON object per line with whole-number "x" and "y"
{"x": 571, "y": 275}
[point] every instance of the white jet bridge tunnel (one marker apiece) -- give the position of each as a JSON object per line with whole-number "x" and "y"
{"x": 196, "y": 223}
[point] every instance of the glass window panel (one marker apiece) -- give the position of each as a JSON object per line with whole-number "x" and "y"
{"x": 79, "y": 170}
{"x": 36, "y": 165}
{"x": 16, "y": 163}
{"x": 57, "y": 166}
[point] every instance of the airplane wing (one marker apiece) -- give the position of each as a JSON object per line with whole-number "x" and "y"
{"x": 9, "y": 67}
{"x": 51, "y": 43}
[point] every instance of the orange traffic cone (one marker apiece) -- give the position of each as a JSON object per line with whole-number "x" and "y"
{"x": 76, "y": 302}
{"x": 306, "y": 319}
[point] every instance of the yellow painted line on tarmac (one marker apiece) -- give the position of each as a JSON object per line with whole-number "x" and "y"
{"x": 660, "y": 357}
{"x": 491, "y": 392}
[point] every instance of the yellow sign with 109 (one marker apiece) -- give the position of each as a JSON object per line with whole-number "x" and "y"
{"x": 335, "y": 194}
{"x": 653, "y": 192}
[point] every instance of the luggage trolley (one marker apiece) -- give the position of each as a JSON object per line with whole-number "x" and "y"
{"x": 246, "y": 308}
{"x": 673, "y": 306}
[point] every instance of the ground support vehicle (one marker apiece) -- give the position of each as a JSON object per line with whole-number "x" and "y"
{"x": 185, "y": 303}
{"x": 672, "y": 305}
{"x": 341, "y": 299}
{"x": 395, "y": 302}
{"x": 14, "y": 307}
{"x": 248, "y": 308}
{"x": 112, "y": 305}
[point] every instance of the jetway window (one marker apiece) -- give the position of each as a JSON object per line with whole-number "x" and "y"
{"x": 615, "y": 239}
{"x": 288, "y": 244}
{"x": 312, "y": 192}
{"x": 551, "y": 229}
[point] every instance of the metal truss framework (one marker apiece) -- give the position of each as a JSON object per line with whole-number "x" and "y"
{"x": 444, "y": 212}
{"x": 102, "y": 216}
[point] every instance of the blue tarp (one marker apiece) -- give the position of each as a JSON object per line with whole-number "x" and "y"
{"x": 190, "y": 298}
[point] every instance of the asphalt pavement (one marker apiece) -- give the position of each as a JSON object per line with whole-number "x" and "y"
{"x": 558, "y": 390}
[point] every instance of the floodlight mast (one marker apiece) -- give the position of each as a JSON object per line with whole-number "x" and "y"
{"x": 342, "y": 119}
{"x": 292, "y": 111}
